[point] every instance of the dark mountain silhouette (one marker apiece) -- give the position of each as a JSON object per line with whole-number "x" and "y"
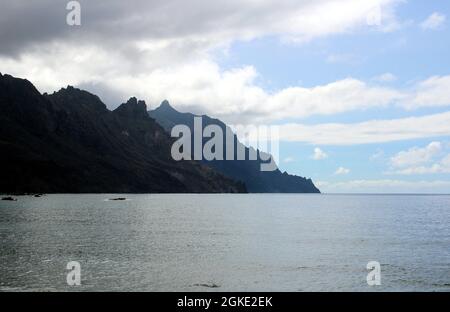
{"x": 70, "y": 142}
{"x": 247, "y": 171}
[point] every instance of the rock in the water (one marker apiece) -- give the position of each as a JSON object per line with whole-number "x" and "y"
{"x": 9, "y": 198}
{"x": 207, "y": 285}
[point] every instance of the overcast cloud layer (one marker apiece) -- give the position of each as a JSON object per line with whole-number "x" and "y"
{"x": 198, "y": 22}
{"x": 162, "y": 49}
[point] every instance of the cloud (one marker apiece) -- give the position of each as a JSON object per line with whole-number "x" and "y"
{"x": 416, "y": 156}
{"x": 434, "y": 21}
{"x": 342, "y": 171}
{"x": 417, "y": 161}
{"x": 319, "y": 154}
{"x": 386, "y": 77}
{"x": 198, "y": 84}
{"x": 232, "y": 95}
{"x": 386, "y": 186}
{"x": 432, "y": 92}
{"x": 163, "y": 49}
{"x": 378, "y": 155}
{"x": 205, "y": 22}
{"x": 158, "y": 50}
{"x": 288, "y": 160}
{"x": 368, "y": 132}
{"x": 442, "y": 167}
{"x": 343, "y": 58}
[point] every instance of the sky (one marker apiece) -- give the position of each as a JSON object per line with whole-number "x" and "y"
{"x": 360, "y": 90}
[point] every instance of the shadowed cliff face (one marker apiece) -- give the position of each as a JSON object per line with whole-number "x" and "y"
{"x": 247, "y": 171}
{"x": 70, "y": 142}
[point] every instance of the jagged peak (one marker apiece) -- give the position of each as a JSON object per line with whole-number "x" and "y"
{"x": 165, "y": 103}
{"x": 68, "y": 88}
{"x": 78, "y": 97}
{"x": 75, "y": 91}
{"x": 133, "y": 101}
{"x": 133, "y": 108}
{"x": 165, "y": 106}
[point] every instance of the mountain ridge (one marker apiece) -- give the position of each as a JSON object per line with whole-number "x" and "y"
{"x": 247, "y": 171}
{"x": 69, "y": 142}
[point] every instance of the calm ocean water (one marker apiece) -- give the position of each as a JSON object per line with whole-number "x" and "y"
{"x": 232, "y": 242}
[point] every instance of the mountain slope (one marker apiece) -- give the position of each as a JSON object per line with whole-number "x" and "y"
{"x": 70, "y": 142}
{"x": 247, "y": 171}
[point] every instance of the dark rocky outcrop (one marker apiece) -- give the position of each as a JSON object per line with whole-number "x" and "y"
{"x": 69, "y": 142}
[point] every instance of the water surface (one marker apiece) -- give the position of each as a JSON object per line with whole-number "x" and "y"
{"x": 232, "y": 242}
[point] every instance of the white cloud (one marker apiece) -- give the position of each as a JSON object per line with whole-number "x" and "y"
{"x": 439, "y": 167}
{"x": 199, "y": 85}
{"x": 433, "y": 169}
{"x": 432, "y": 92}
{"x": 416, "y": 161}
{"x": 416, "y": 156}
{"x": 319, "y": 154}
{"x": 342, "y": 171}
{"x": 289, "y": 160}
{"x": 157, "y": 52}
{"x": 336, "y": 97}
{"x": 374, "y": 131}
{"x": 386, "y": 186}
{"x": 196, "y": 85}
{"x": 162, "y": 49}
{"x": 386, "y": 77}
{"x": 377, "y": 155}
{"x": 346, "y": 58}
{"x": 434, "y": 21}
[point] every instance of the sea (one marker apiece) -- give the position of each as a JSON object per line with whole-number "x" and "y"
{"x": 225, "y": 242}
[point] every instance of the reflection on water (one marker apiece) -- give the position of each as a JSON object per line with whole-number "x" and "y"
{"x": 225, "y": 242}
